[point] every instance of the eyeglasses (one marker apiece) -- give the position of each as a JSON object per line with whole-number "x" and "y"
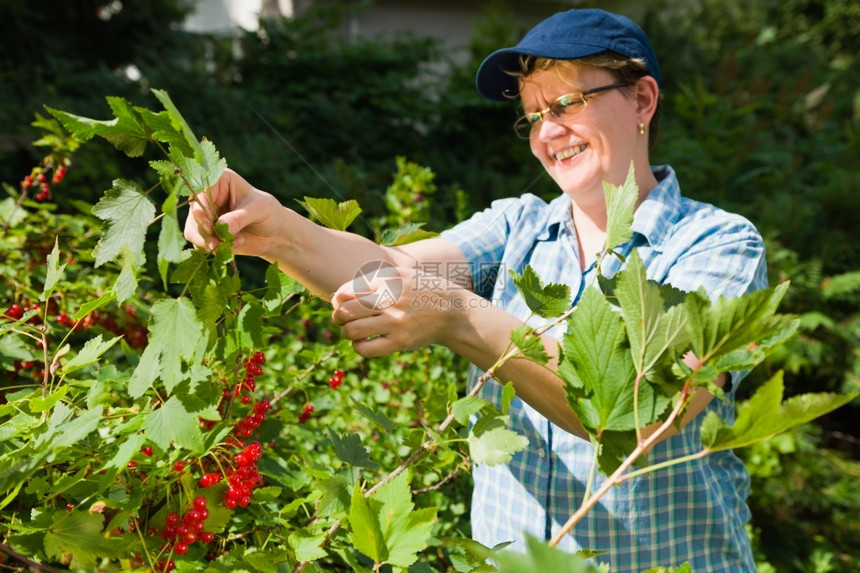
{"x": 564, "y": 105}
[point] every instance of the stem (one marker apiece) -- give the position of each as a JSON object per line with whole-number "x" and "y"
{"x": 666, "y": 464}
{"x": 617, "y": 475}
{"x": 591, "y": 473}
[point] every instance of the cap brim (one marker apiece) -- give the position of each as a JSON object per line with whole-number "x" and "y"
{"x": 495, "y": 79}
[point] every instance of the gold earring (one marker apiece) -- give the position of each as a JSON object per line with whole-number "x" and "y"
{"x": 641, "y": 128}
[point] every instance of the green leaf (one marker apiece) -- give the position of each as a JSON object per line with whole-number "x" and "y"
{"x": 491, "y": 443}
{"x": 177, "y": 121}
{"x": 174, "y": 333}
{"x": 349, "y": 450}
{"x": 599, "y": 370}
{"x": 89, "y": 354}
{"x": 730, "y": 324}
{"x": 126, "y": 132}
{"x": 405, "y": 531}
{"x": 173, "y": 423}
{"x": 529, "y": 344}
{"x": 765, "y": 415}
{"x": 126, "y": 282}
{"x": 465, "y": 407}
{"x": 308, "y": 548}
{"x": 541, "y": 557}
{"x": 366, "y": 532}
{"x": 548, "y": 301}
{"x": 508, "y": 395}
{"x": 39, "y": 404}
{"x": 652, "y": 329}
{"x": 76, "y": 537}
{"x": 330, "y": 214}
{"x": 127, "y": 212}
{"x": 72, "y": 431}
{"x": 279, "y": 286}
{"x": 376, "y": 417}
{"x": 87, "y": 308}
{"x": 54, "y": 272}
{"x": 408, "y": 233}
{"x": 201, "y": 171}
{"x": 620, "y": 203}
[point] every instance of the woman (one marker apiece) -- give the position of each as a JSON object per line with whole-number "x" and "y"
{"x": 589, "y": 83}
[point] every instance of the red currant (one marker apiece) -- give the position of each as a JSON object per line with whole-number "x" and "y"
{"x": 172, "y": 519}
{"x": 307, "y": 412}
{"x": 178, "y": 466}
{"x": 146, "y": 450}
{"x": 200, "y": 503}
{"x": 206, "y": 537}
{"x": 181, "y": 548}
{"x": 258, "y": 358}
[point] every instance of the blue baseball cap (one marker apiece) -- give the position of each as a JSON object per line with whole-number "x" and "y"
{"x": 567, "y": 35}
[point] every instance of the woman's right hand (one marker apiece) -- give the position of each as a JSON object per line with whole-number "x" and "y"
{"x": 253, "y": 217}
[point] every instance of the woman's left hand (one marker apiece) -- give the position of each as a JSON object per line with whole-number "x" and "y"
{"x": 391, "y": 309}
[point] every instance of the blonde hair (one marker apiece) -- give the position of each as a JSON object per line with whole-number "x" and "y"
{"x": 623, "y": 68}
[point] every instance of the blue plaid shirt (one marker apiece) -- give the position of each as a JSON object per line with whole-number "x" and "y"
{"x": 694, "y": 512}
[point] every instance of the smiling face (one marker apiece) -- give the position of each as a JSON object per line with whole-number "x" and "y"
{"x": 597, "y": 142}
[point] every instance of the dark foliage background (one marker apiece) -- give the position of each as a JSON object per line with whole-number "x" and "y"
{"x": 762, "y": 116}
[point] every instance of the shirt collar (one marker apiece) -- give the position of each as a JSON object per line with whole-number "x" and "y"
{"x": 653, "y": 219}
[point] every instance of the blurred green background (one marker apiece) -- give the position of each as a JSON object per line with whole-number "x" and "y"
{"x": 761, "y": 116}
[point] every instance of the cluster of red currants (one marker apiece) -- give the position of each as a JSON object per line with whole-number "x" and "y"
{"x": 181, "y": 532}
{"x": 245, "y": 477}
{"x": 336, "y": 379}
{"x": 39, "y": 179}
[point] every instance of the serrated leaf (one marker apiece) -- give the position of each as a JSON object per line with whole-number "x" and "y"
{"x": 599, "y": 370}
{"x": 308, "y": 548}
{"x": 279, "y": 286}
{"x": 377, "y": 418}
{"x": 465, "y": 407}
{"x": 620, "y": 203}
{"x": 75, "y": 538}
{"x": 366, "y": 532}
{"x": 89, "y": 307}
{"x": 174, "y": 333}
{"x": 126, "y": 131}
{"x": 765, "y": 415}
{"x": 89, "y": 354}
{"x": 508, "y": 395}
{"x": 173, "y": 423}
{"x": 72, "y": 431}
{"x": 549, "y": 300}
{"x": 408, "y": 233}
{"x": 530, "y": 345}
{"x": 176, "y": 120}
{"x": 541, "y": 557}
{"x": 126, "y": 282}
{"x": 405, "y": 531}
{"x": 331, "y": 214}
{"x": 349, "y": 450}
{"x": 201, "y": 171}
{"x": 127, "y": 212}
{"x": 39, "y": 404}
{"x": 54, "y": 271}
{"x": 249, "y": 325}
{"x": 652, "y": 329}
{"x": 491, "y": 443}
{"x": 728, "y": 324}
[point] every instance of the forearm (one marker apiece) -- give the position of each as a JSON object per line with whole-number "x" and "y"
{"x": 323, "y": 259}
{"x": 483, "y": 334}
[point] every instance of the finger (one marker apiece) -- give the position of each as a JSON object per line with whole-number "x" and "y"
{"x": 366, "y": 327}
{"x": 352, "y": 309}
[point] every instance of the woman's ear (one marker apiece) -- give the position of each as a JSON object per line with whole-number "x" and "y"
{"x": 647, "y": 95}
